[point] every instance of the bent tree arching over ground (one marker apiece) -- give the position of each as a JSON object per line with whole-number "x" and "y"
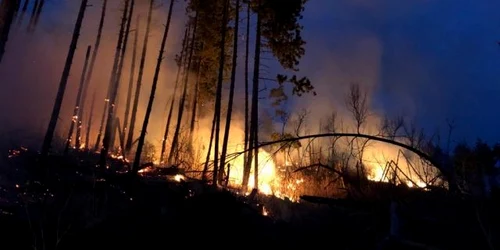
{"x": 445, "y": 171}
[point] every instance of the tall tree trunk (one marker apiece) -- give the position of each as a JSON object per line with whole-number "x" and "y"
{"x": 195, "y": 104}
{"x": 142, "y": 138}
{"x": 76, "y": 110}
{"x": 103, "y": 119}
{"x": 7, "y": 12}
{"x": 37, "y": 15}
{"x": 113, "y": 87}
{"x": 247, "y": 52}
{"x": 118, "y": 78}
{"x": 175, "y": 140}
{"x": 231, "y": 91}
{"x": 130, "y": 137}
{"x": 255, "y": 100}
{"x": 17, "y": 7}
{"x": 218, "y": 98}
{"x": 23, "y": 12}
{"x": 254, "y": 123}
{"x": 64, "y": 80}
{"x": 89, "y": 123}
{"x": 212, "y": 133}
{"x": 33, "y": 14}
{"x": 172, "y": 98}
{"x": 90, "y": 71}
{"x": 131, "y": 80}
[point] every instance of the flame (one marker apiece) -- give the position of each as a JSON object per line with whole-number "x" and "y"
{"x": 179, "y": 177}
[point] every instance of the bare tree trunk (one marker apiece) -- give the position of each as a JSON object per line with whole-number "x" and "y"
{"x": 90, "y": 71}
{"x": 173, "y": 147}
{"x": 113, "y": 87}
{"x": 7, "y": 12}
{"x": 33, "y": 14}
{"x": 212, "y": 133}
{"x": 172, "y": 98}
{"x": 231, "y": 91}
{"x": 247, "y": 52}
{"x": 131, "y": 81}
{"x": 89, "y": 124}
{"x": 195, "y": 104}
{"x": 218, "y": 98}
{"x": 130, "y": 137}
{"x": 23, "y": 12}
{"x": 120, "y": 68}
{"x": 142, "y": 138}
{"x": 254, "y": 122}
{"x": 37, "y": 15}
{"x": 64, "y": 80}
{"x": 76, "y": 110}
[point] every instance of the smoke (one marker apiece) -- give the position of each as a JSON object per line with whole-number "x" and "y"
{"x": 33, "y": 64}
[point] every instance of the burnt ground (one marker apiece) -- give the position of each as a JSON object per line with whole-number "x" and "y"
{"x": 80, "y": 207}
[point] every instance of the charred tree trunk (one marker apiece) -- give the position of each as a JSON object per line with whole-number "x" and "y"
{"x": 172, "y": 98}
{"x": 255, "y": 100}
{"x": 218, "y": 98}
{"x": 130, "y": 137}
{"x": 76, "y": 110}
{"x": 231, "y": 92}
{"x": 23, "y": 12}
{"x": 90, "y": 72}
{"x": 173, "y": 147}
{"x": 142, "y": 138}
{"x": 131, "y": 81}
{"x": 89, "y": 123}
{"x": 254, "y": 123}
{"x": 212, "y": 133}
{"x": 113, "y": 86}
{"x": 247, "y": 52}
{"x": 37, "y": 15}
{"x": 33, "y": 14}
{"x": 64, "y": 80}
{"x": 8, "y": 10}
{"x": 120, "y": 66}
{"x": 195, "y": 104}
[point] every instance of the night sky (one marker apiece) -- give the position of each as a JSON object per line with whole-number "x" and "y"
{"x": 433, "y": 60}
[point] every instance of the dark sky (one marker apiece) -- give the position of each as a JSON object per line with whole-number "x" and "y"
{"x": 432, "y": 60}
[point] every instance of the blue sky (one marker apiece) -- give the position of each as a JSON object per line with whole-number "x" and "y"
{"x": 436, "y": 59}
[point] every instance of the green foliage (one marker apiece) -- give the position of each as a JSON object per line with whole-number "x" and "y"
{"x": 282, "y": 30}
{"x": 300, "y": 86}
{"x": 208, "y": 15}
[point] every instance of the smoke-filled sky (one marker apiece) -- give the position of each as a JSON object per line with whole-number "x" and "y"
{"x": 430, "y": 60}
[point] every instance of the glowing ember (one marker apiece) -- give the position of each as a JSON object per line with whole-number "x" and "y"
{"x": 179, "y": 177}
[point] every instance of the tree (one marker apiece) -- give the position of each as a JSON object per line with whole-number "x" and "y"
{"x": 231, "y": 91}
{"x": 218, "y": 98}
{"x": 142, "y": 138}
{"x": 174, "y": 147}
{"x": 7, "y": 12}
{"x": 180, "y": 60}
{"x": 131, "y": 80}
{"x": 278, "y": 30}
{"x": 113, "y": 90}
{"x": 76, "y": 110}
{"x": 90, "y": 73}
{"x": 130, "y": 136}
{"x": 207, "y": 48}
{"x": 64, "y": 80}
{"x": 120, "y": 70}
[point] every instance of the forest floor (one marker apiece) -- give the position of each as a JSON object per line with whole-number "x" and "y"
{"x": 78, "y": 207}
